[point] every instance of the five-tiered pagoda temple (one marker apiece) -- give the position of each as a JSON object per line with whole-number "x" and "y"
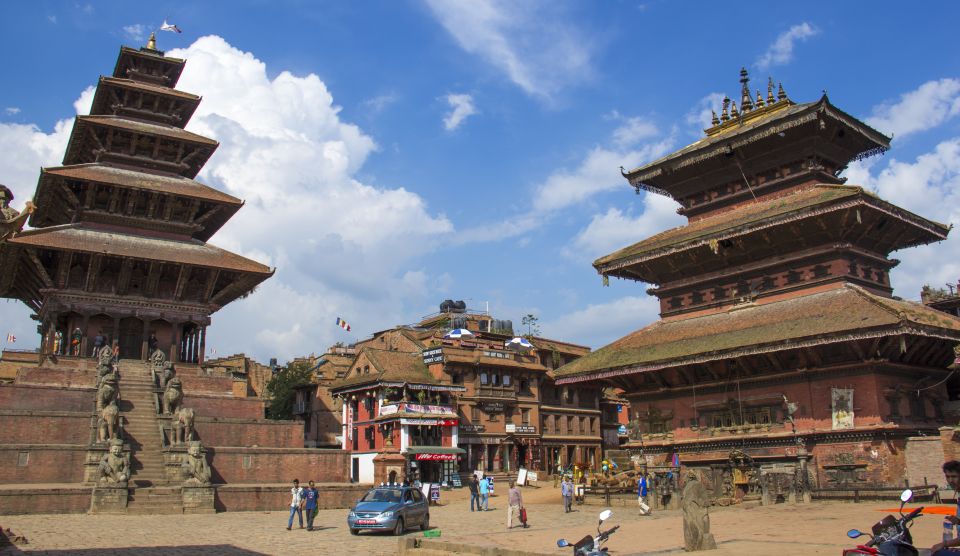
{"x": 118, "y": 248}
{"x": 782, "y": 362}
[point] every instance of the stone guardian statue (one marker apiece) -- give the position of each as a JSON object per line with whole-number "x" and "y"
{"x": 183, "y": 426}
{"x": 114, "y": 468}
{"x": 696, "y": 517}
{"x": 172, "y": 396}
{"x": 196, "y": 472}
{"x": 107, "y": 424}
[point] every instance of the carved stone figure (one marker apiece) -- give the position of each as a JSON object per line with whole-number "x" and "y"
{"x": 107, "y": 424}
{"x": 633, "y": 429}
{"x": 696, "y": 516}
{"x": 114, "y": 468}
{"x": 11, "y": 221}
{"x": 166, "y": 373}
{"x": 107, "y": 392}
{"x": 196, "y": 472}
{"x": 172, "y": 396}
{"x": 183, "y": 426}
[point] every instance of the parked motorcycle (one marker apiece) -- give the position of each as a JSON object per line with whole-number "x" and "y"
{"x": 592, "y": 545}
{"x": 891, "y": 536}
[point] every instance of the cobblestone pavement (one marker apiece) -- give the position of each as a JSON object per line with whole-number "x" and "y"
{"x": 810, "y": 529}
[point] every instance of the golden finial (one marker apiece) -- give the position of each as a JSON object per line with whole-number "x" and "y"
{"x": 152, "y": 42}
{"x": 745, "y": 101}
{"x": 780, "y": 94}
{"x": 759, "y": 99}
{"x": 724, "y": 114}
{"x": 715, "y": 120}
{"x": 770, "y": 99}
{"x": 733, "y": 109}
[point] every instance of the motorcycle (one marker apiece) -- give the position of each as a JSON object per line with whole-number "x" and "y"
{"x": 592, "y": 545}
{"x": 891, "y": 536}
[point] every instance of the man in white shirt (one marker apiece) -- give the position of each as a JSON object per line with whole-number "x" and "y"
{"x": 296, "y": 504}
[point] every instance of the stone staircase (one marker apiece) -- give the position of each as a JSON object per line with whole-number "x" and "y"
{"x": 149, "y": 493}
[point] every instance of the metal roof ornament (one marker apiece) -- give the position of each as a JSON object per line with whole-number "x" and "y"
{"x": 724, "y": 114}
{"x": 770, "y": 98}
{"x": 759, "y": 99}
{"x": 714, "y": 120}
{"x": 734, "y": 113}
{"x": 781, "y": 95}
{"x": 745, "y": 103}
{"x": 152, "y": 41}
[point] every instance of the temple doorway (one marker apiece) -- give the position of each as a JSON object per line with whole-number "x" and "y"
{"x": 131, "y": 338}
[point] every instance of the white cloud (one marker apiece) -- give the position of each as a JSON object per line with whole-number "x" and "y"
{"x": 700, "y": 116}
{"x": 11, "y": 111}
{"x": 928, "y": 106}
{"x": 781, "y": 51}
{"x": 341, "y": 247}
{"x": 527, "y": 41}
{"x": 52, "y": 19}
{"x": 135, "y": 32}
{"x": 616, "y": 229}
{"x": 634, "y": 130}
{"x": 462, "y": 107}
{"x": 379, "y": 103}
{"x": 599, "y": 324}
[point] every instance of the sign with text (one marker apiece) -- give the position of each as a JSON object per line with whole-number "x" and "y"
{"x": 432, "y": 409}
{"x": 435, "y": 492}
{"x": 436, "y": 457}
{"x": 521, "y": 429}
{"x": 389, "y": 409}
{"x": 471, "y": 428}
{"x": 491, "y": 407}
{"x": 433, "y": 356}
{"x": 447, "y": 422}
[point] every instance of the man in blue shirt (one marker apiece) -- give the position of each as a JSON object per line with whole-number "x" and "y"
{"x": 951, "y": 471}
{"x": 310, "y": 498}
{"x": 642, "y": 495}
{"x": 485, "y": 493}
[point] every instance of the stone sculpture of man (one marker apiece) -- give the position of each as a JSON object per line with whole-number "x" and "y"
{"x": 172, "y": 396}
{"x": 114, "y": 468}
{"x": 11, "y": 221}
{"x": 107, "y": 425}
{"x": 696, "y": 517}
{"x": 183, "y": 426}
{"x": 196, "y": 472}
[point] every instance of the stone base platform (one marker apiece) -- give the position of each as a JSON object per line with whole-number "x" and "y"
{"x": 78, "y": 498}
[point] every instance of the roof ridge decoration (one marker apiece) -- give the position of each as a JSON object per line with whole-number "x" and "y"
{"x": 750, "y": 110}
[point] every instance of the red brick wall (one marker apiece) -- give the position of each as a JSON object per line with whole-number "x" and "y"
{"x": 266, "y": 498}
{"x": 45, "y": 398}
{"x": 45, "y": 501}
{"x": 278, "y": 465}
{"x": 264, "y": 433}
{"x": 49, "y": 428}
{"x": 47, "y": 464}
{"x": 885, "y": 461}
{"x": 63, "y": 377}
{"x": 222, "y": 386}
{"x": 215, "y": 406}
{"x": 951, "y": 443}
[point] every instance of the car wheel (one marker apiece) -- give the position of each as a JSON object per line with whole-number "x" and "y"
{"x": 398, "y": 528}
{"x": 354, "y": 531}
{"x": 426, "y": 523}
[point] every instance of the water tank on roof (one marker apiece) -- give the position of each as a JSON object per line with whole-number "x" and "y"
{"x": 451, "y": 306}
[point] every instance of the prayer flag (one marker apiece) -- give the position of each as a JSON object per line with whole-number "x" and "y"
{"x": 343, "y": 324}
{"x": 11, "y": 339}
{"x": 170, "y": 27}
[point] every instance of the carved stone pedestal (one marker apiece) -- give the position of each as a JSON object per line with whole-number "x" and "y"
{"x": 109, "y": 500}
{"x": 199, "y": 500}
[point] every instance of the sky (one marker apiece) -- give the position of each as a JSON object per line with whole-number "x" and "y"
{"x": 395, "y": 154}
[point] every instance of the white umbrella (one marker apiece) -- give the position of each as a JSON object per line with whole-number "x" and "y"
{"x": 458, "y": 333}
{"x": 519, "y": 343}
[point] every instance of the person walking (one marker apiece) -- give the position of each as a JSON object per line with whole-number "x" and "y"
{"x": 485, "y": 494}
{"x": 642, "y": 495}
{"x": 474, "y": 492}
{"x": 310, "y": 497}
{"x": 514, "y": 504}
{"x": 566, "y": 490}
{"x": 296, "y": 504}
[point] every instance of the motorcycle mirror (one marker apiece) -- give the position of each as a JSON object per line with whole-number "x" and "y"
{"x": 854, "y": 533}
{"x": 562, "y": 543}
{"x": 605, "y": 515}
{"x": 906, "y": 495}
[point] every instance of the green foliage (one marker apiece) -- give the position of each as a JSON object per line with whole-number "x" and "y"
{"x": 281, "y": 386}
{"x": 531, "y": 321}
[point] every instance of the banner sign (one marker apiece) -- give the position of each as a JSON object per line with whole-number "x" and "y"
{"x": 435, "y": 492}
{"x": 521, "y": 429}
{"x": 418, "y": 421}
{"x": 491, "y": 407}
{"x": 433, "y": 356}
{"x": 389, "y": 409}
{"x": 432, "y": 409}
{"x": 471, "y": 428}
{"x": 436, "y": 457}
{"x": 622, "y": 430}
{"x": 447, "y": 422}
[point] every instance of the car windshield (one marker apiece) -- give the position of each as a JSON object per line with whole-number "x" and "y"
{"x": 382, "y": 495}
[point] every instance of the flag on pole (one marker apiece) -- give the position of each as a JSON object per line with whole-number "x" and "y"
{"x": 343, "y": 324}
{"x": 170, "y": 27}
{"x": 11, "y": 339}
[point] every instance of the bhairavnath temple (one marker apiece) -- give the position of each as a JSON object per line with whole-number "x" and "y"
{"x": 782, "y": 362}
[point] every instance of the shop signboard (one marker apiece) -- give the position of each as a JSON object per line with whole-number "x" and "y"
{"x": 491, "y": 407}
{"x": 447, "y": 422}
{"x": 622, "y": 430}
{"x": 418, "y": 421}
{"x": 435, "y": 493}
{"x": 389, "y": 409}
{"x": 471, "y": 428}
{"x": 433, "y": 356}
{"x": 436, "y": 457}
{"x": 431, "y": 409}
{"x": 521, "y": 429}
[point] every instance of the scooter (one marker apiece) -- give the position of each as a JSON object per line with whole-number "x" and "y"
{"x": 590, "y": 545}
{"x": 891, "y": 536}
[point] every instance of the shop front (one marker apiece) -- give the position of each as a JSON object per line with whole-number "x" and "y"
{"x": 433, "y": 464}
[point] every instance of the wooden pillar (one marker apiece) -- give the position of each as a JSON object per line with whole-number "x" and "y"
{"x": 175, "y": 345}
{"x": 203, "y": 344}
{"x": 84, "y": 342}
{"x": 144, "y": 355}
{"x": 115, "y": 341}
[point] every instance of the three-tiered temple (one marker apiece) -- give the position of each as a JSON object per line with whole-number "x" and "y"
{"x": 119, "y": 246}
{"x": 780, "y": 342}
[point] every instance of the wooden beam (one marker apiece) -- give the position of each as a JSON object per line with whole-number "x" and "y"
{"x": 153, "y": 278}
{"x": 182, "y": 281}
{"x": 812, "y": 355}
{"x": 212, "y": 276}
{"x": 123, "y": 280}
{"x": 63, "y": 268}
{"x": 47, "y": 281}
{"x": 93, "y": 270}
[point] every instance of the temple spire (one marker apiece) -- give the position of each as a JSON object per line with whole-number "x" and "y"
{"x": 152, "y": 42}
{"x": 770, "y": 99}
{"x": 759, "y": 99}
{"x": 725, "y": 114}
{"x": 745, "y": 102}
{"x": 781, "y": 95}
{"x": 714, "y": 120}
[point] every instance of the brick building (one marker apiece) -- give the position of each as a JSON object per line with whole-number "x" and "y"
{"x": 781, "y": 362}
{"x": 251, "y": 376}
{"x": 315, "y": 405}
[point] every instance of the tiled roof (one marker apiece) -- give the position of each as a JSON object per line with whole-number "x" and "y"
{"x": 747, "y": 218}
{"x": 150, "y": 87}
{"x": 137, "y": 126}
{"x": 165, "y": 183}
{"x": 390, "y": 366}
{"x": 74, "y": 237}
{"x": 810, "y": 319}
{"x": 556, "y": 345}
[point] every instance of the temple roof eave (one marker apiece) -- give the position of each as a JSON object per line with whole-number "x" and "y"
{"x": 804, "y": 321}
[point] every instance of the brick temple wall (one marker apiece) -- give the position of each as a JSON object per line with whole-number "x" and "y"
{"x": 43, "y": 464}
{"x": 47, "y": 427}
{"x": 248, "y": 432}
{"x": 243, "y": 498}
{"x": 46, "y": 398}
{"x": 257, "y": 466}
{"x": 69, "y": 500}
{"x": 217, "y": 406}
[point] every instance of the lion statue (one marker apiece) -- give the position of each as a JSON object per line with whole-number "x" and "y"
{"x": 172, "y": 396}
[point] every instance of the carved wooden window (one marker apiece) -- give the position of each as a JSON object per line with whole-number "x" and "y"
{"x": 794, "y": 277}
{"x": 719, "y": 293}
{"x": 821, "y": 271}
{"x": 676, "y": 302}
{"x": 769, "y": 283}
{"x": 696, "y": 298}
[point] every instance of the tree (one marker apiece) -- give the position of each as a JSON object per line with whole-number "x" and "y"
{"x": 532, "y": 323}
{"x": 281, "y": 388}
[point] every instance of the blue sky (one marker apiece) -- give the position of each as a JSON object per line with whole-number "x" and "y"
{"x": 395, "y": 154}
